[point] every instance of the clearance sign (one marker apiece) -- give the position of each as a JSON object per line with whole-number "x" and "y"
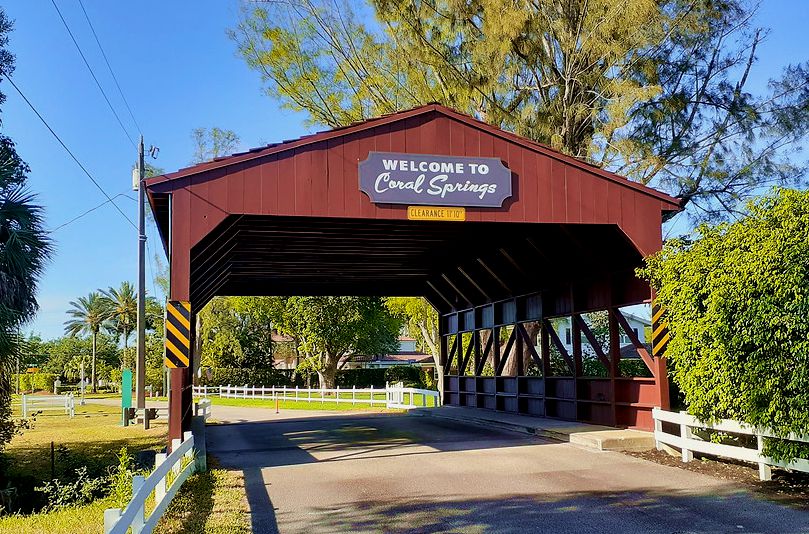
{"x": 433, "y": 213}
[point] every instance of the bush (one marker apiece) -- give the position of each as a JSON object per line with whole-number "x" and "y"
{"x": 82, "y": 490}
{"x": 228, "y": 376}
{"x": 34, "y": 382}
{"x": 736, "y": 301}
{"x": 409, "y": 375}
{"x": 362, "y": 378}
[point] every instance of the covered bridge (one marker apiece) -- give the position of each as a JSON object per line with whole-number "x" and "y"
{"x": 501, "y": 234}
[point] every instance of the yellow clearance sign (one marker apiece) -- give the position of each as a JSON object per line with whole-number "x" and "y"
{"x": 435, "y": 213}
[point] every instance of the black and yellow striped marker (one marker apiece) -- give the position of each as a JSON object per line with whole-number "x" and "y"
{"x": 660, "y": 330}
{"x": 178, "y": 334}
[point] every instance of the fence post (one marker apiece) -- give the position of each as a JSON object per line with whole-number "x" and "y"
{"x": 244, "y": 391}
{"x": 272, "y": 391}
{"x": 296, "y": 393}
{"x": 372, "y": 394}
{"x": 338, "y": 395}
{"x": 310, "y": 394}
{"x": 137, "y": 522}
{"x": 160, "y": 488}
{"x": 685, "y": 433}
{"x": 284, "y": 392}
{"x": 190, "y": 453}
{"x": 175, "y": 444}
{"x": 353, "y": 395}
{"x": 764, "y": 470}
{"x": 658, "y": 428}
{"x": 111, "y": 516}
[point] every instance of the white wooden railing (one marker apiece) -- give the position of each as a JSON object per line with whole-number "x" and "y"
{"x": 688, "y": 443}
{"x": 392, "y": 396}
{"x": 134, "y": 515}
{"x": 34, "y": 403}
{"x": 203, "y": 407}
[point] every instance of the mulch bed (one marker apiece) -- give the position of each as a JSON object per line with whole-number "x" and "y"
{"x": 786, "y": 487}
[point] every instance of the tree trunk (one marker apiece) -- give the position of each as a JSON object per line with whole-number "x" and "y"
{"x": 328, "y": 372}
{"x": 93, "y": 367}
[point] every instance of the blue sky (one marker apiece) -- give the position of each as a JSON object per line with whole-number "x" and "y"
{"x": 179, "y": 71}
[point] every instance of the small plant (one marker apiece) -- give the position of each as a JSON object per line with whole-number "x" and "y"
{"x": 120, "y": 478}
{"x": 82, "y": 490}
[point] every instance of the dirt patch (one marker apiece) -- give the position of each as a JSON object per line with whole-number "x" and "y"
{"x": 785, "y": 487}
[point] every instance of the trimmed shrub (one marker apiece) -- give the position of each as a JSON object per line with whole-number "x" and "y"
{"x": 409, "y": 375}
{"x": 34, "y": 381}
{"x": 362, "y": 378}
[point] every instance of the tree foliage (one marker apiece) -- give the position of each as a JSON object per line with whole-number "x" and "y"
{"x": 210, "y": 143}
{"x": 237, "y": 332}
{"x": 329, "y": 328}
{"x": 737, "y": 302}
{"x": 654, "y": 90}
{"x": 24, "y": 247}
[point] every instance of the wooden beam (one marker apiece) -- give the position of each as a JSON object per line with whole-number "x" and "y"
{"x": 642, "y": 352}
{"x": 558, "y": 344}
{"x": 496, "y": 278}
{"x": 592, "y": 339}
{"x": 501, "y": 365}
{"x": 474, "y": 284}
{"x": 443, "y": 297}
{"x": 485, "y": 354}
{"x": 531, "y": 349}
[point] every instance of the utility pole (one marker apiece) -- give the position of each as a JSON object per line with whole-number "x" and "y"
{"x": 140, "y": 363}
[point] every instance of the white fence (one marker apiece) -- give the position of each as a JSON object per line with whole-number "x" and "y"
{"x": 34, "y": 403}
{"x": 392, "y": 396}
{"x": 134, "y": 515}
{"x": 688, "y": 443}
{"x": 203, "y": 408}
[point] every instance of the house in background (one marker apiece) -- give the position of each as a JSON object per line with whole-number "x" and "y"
{"x": 407, "y": 354}
{"x": 286, "y": 356}
{"x": 638, "y": 324}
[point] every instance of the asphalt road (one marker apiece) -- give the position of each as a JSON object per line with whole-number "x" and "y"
{"x": 399, "y": 473}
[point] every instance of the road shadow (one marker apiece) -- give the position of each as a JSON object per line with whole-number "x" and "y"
{"x": 586, "y": 512}
{"x": 342, "y": 437}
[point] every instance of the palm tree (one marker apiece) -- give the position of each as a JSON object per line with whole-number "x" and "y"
{"x": 89, "y": 314}
{"x": 123, "y": 312}
{"x": 24, "y": 252}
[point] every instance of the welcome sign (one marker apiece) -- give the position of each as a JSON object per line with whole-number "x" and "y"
{"x": 427, "y": 180}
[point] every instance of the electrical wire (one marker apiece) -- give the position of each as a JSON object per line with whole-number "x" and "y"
{"x": 114, "y": 78}
{"x": 73, "y": 156}
{"x": 88, "y": 212}
{"x": 89, "y": 68}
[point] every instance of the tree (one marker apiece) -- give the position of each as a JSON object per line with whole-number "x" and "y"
{"x": 210, "y": 143}
{"x": 656, "y": 91}
{"x": 123, "y": 311}
{"x": 330, "y": 328}
{"x": 24, "y": 248}
{"x": 237, "y": 332}
{"x": 736, "y": 303}
{"x": 89, "y": 314}
{"x": 421, "y": 322}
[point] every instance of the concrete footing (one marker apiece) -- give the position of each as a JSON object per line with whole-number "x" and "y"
{"x": 598, "y": 437}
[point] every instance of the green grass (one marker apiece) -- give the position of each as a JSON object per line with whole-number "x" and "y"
{"x": 213, "y": 502}
{"x": 326, "y": 404}
{"x": 92, "y": 438}
{"x": 87, "y": 519}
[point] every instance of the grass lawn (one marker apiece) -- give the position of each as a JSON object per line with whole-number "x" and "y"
{"x": 92, "y": 438}
{"x": 326, "y": 404}
{"x": 214, "y": 502}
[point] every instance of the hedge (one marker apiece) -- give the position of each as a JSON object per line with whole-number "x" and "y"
{"x": 34, "y": 381}
{"x": 346, "y": 378}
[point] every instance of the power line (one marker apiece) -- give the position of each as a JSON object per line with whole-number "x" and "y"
{"x": 115, "y": 79}
{"x": 88, "y": 212}
{"x": 87, "y": 64}
{"x": 82, "y": 167}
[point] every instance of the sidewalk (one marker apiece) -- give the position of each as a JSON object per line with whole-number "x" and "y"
{"x": 593, "y": 436}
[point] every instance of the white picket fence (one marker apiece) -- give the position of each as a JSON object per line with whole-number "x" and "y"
{"x": 689, "y": 444}
{"x": 134, "y": 515}
{"x": 392, "y": 396}
{"x": 203, "y": 408}
{"x": 35, "y": 403}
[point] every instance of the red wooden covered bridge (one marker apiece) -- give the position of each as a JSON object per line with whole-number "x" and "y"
{"x": 502, "y": 235}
